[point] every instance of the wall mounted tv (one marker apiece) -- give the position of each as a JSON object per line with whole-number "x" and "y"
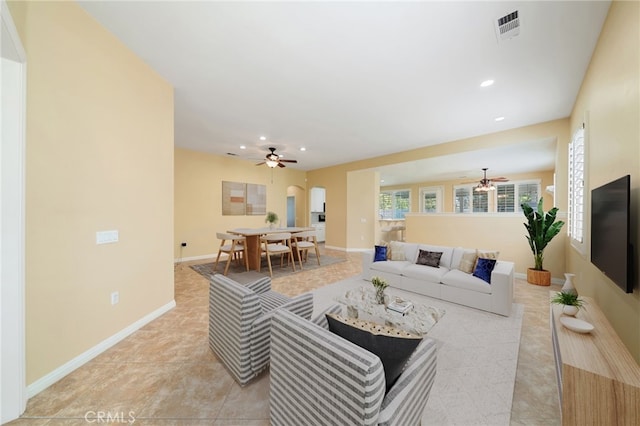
{"x": 611, "y": 249}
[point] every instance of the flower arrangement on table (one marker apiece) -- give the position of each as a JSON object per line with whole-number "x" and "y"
{"x": 380, "y": 285}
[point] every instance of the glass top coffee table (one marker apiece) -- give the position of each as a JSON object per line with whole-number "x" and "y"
{"x": 418, "y": 319}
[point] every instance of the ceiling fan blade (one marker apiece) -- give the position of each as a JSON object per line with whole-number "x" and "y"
{"x": 282, "y": 160}
{"x": 281, "y": 165}
{"x": 260, "y": 164}
{"x": 499, "y": 179}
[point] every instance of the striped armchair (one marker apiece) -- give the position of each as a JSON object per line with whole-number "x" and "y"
{"x": 240, "y": 322}
{"x": 319, "y": 378}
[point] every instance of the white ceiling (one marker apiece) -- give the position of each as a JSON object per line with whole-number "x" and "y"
{"x": 355, "y": 80}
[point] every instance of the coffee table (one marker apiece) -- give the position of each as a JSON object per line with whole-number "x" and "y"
{"x": 417, "y": 320}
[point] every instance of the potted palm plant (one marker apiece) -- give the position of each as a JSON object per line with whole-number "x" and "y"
{"x": 542, "y": 227}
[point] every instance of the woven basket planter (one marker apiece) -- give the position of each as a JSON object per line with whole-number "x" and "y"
{"x": 538, "y": 277}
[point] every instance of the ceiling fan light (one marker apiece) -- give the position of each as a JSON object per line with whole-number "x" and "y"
{"x": 271, "y": 163}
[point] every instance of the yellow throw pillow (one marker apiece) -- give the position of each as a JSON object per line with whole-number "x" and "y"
{"x": 397, "y": 251}
{"x": 486, "y": 255}
{"x": 468, "y": 261}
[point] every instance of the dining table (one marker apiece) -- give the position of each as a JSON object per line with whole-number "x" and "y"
{"x": 252, "y": 236}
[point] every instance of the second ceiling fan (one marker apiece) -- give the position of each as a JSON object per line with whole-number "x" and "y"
{"x": 486, "y": 184}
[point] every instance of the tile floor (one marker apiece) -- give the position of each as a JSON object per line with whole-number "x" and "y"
{"x": 165, "y": 373}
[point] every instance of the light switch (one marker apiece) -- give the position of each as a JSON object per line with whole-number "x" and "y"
{"x": 106, "y": 237}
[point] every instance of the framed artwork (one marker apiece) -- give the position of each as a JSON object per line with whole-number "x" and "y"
{"x": 239, "y": 199}
{"x": 234, "y": 195}
{"x": 256, "y": 199}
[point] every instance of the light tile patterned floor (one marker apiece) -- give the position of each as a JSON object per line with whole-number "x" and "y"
{"x": 165, "y": 373}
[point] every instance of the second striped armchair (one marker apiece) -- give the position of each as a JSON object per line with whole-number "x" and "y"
{"x": 240, "y": 322}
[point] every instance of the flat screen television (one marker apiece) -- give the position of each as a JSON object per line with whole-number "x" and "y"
{"x": 611, "y": 249}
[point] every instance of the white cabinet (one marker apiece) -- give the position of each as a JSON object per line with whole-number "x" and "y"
{"x": 320, "y": 232}
{"x": 317, "y": 199}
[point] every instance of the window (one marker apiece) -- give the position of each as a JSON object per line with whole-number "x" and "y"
{"x": 431, "y": 199}
{"x": 576, "y": 189}
{"x": 466, "y": 200}
{"x": 394, "y": 204}
{"x": 509, "y": 196}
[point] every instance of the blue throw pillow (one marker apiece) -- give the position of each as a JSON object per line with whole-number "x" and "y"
{"x": 484, "y": 267}
{"x": 381, "y": 254}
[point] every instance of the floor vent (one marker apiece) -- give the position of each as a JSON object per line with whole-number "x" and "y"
{"x": 508, "y": 26}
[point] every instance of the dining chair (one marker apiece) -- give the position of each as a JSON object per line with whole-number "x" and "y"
{"x": 279, "y": 243}
{"x": 233, "y": 249}
{"x": 303, "y": 242}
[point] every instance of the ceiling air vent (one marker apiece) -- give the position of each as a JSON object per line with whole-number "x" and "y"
{"x": 508, "y": 26}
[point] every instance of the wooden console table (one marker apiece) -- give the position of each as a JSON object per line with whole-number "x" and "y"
{"x": 598, "y": 379}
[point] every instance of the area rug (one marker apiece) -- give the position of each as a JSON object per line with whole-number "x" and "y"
{"x": 240, "y": 274}
{"x": 477, "y": 359}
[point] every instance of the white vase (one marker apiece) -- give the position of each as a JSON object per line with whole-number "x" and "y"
{"x": 570, "y": 310}
{"x": 568, "y": 284}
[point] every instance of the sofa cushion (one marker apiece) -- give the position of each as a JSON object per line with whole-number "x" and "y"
{"x": 484, "y": 267}
{"x": 403, "y": 251}
{"x": 447, "y": 253}
{"x": 424, "y": 273}
{"x": 380, "y": 254}
{"x": 393, "y": 346}
{"x": 468, "y": 261}
{"x": 457, "y": 278}
{"x": 397, "y": 251}
{"x": 391, "y": 266}
{"x": 429, "y": 258}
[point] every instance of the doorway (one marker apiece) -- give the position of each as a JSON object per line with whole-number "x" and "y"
{"x": 291, "y": 211}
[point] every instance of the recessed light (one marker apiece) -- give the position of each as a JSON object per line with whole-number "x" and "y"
{"x": 302, "y": 148}
{"x": 499, "y": 118}
{"x": 263, "y": 138}
{"x": 486, "y": 83}
{"x": 243, "y": 147}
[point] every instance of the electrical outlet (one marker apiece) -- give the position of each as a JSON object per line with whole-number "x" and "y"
{"x": 183, "y": 244}
{"x": 115, "y": 298}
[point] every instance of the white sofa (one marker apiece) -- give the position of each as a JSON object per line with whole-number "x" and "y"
{"x": 445, "y": 282}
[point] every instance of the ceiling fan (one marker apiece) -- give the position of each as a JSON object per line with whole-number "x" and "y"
{"x": 486, "y": 184}
{"x": 273, "y": 160}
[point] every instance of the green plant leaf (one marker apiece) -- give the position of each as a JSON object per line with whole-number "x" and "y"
{"x": 541, "y": 227}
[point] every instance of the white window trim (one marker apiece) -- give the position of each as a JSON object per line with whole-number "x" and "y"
{"x": 471, "y": 188}
{"x": 392, "y": 192}
{"x": 515, "y": 183}
{"x": 439, "y": 191}
{"x": 579, "y": 244}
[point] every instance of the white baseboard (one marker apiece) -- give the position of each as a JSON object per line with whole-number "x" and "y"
{"x": 204, "y": 256}
{"x": 57, "y": 374}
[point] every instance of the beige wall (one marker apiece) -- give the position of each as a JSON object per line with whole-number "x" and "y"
{"x": 334, "y": 179}
{"x": 610, "y": 98}
{"x": 99, "y": 157}
{"x": 362, "y": 192}
{"x": 198, "y": 198}
{"x": 503, "y": 232}
{"x": 299, "y": 195}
